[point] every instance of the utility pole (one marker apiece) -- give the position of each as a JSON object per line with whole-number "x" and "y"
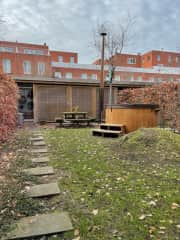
{"x": 101, "y": 89}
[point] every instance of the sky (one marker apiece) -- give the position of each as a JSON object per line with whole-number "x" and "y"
{"x": 68, "y": 25}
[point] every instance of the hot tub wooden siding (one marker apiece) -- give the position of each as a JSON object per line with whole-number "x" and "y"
{"x": 133, "y": 116}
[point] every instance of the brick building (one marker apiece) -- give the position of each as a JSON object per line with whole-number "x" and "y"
{"x": 51, "y": 82}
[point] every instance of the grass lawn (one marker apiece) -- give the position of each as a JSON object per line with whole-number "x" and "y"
{"x": 126, "y": 188}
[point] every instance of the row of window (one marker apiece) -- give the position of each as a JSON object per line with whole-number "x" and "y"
{"x": 69, "y": 75}
{"x": 26, "y": 50}
{"x": 27, "y": 68}
{"x": 158, "y": 58}
{"x": 61, "y": 59}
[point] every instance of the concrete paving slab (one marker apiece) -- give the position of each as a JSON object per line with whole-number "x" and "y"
{"x": 43, "y": 190}
{"x": 37, "y": 138}
{"x": 40, "y": 160}
{"x": 39, "y": 171}
{"x": 39, "y": 150}
{"x": 39, "y": 143}
{"x": 40, "y": 225}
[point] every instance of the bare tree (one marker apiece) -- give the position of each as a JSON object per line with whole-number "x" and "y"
{"x": 117, "y": 38}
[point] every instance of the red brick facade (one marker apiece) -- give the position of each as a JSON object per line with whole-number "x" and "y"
{"x": 37, "y": 60}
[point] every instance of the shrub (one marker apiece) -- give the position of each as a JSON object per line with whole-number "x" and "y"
{"x": 166, "y": 95}
{"x": 8, "y": 105}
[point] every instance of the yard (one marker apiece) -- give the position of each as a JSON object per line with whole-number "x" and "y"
{"x": 126, "y": 188}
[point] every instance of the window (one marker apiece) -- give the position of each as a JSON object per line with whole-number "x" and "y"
{"x": 60, "y": 58}
{"x": 148, "y": 58}
{"x": 41, "y": 68}
{"x": 27, "y": 67}
{"x": 33, "y": 51}
{"x": 139, "y": 78}
{"x": 178, "y": 59}
{"x": 169, "y": 59}
{"x": 6, "y": 49}
{"x": 158, "y": 57}
{"x": 57, "y": 74}
{"x": 6, "y": 65}
{"x": 94, "y": 76}
{"x": 72, "y": 60}
{"x": 117, "y": 78}
{"x": 84, "y": 75}
{"x": 131, "y": 60}
{"x": 68, "y": 75}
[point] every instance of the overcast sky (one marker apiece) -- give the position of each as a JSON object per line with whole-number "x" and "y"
{"x": 68, "y": 24}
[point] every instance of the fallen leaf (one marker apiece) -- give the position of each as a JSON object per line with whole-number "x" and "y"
{"x": 174, "y": 206}
{"x": 95, "y": 212}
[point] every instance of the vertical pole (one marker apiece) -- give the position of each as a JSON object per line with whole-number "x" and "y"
{"x": 101, "y": 90}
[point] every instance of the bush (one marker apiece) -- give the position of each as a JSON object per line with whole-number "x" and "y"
{"x": 166, "y": 95}
{"x": 8, "y": 105}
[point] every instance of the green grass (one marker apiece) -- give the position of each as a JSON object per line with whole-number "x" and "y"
{"x": 118, "y": 188}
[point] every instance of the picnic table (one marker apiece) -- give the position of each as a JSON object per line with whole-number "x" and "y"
{"x": 74, "y": 119}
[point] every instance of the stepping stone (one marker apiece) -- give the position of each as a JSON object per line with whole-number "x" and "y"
{"x": 39, "y": 171}
{"x": 40, "y": 160}
{"x": 39, "y": 143}
{"x": 43, "y": 190}
{"x": 40, "y": 225}
{"x": 40, "y": 150}
{"x": 37, "y": 138}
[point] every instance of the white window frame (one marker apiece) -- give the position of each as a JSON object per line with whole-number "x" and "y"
{"x": 169, "y": 59}
{"x": 33, "y": 51}
{"x": 158, "y": 57}
{"x": 131, "y": 60}
{"x": 27, "y": 67}
{"x": 6, "y": 65}
{"x": 84, "y": 76}
{"x": 72, "y": 59}
{"x": 177, "y": 59}
{"x": 68, "y": 75}
{"x": 6, "y": 49}
{"x": 117, "y": 78}
{"x": 60, "y": 59}
{"x": 41, "y": 68}
{"x": 57, "y": 74}
{"x": 94, "y": 76}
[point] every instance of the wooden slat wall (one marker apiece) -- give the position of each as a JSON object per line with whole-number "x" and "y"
{"x": 82, "y": 97}
{"x": 51, "y": 102}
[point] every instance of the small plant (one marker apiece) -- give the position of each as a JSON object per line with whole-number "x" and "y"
{"x": 75, "y": 109}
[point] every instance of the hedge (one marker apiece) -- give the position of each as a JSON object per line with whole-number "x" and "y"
{"x": 8, "y": 106}
{"x": 166, "y": 95}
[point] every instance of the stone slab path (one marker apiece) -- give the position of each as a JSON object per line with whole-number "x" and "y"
{"x": 41, "y": 225}
{"x": 43, "y": 190}
{"x": 39, "y": 171}
{"x": 36, "y": 138}
{"x": 40, "y": 160}
{"x": 39, "y": 143}
{"x": 39, "y": 150}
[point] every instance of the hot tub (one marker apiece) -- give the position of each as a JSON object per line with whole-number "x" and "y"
{"x": 133, "y": 116}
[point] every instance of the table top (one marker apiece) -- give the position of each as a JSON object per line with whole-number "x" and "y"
{"x": 75, "y": 112}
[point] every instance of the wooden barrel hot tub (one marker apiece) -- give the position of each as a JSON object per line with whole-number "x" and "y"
{"x": 133, "y": 116}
